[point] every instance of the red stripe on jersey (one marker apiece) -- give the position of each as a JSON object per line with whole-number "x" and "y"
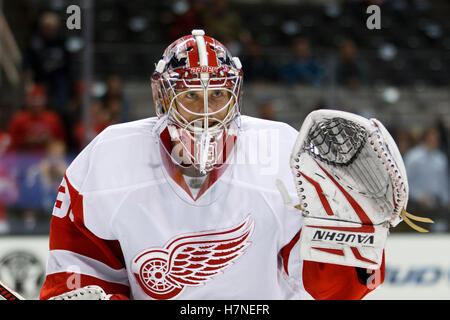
{"x": 176, "y": 174}
{"x": 57, "y": 283}
{"x": 286, "y": 251}
{"x": 75, "y": 237}
{"x": 58, "y": 204}
{"x": 173, "y": 170}
{"x": 215, "y": 174}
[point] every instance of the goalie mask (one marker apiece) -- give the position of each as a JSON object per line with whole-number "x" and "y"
{"x": 197, "y": 88}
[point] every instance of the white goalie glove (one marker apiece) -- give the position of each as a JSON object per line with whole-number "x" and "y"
{"x": 85, "y": 293}
{"x": 352, "y": 187}
{"x": 91, "y": 292}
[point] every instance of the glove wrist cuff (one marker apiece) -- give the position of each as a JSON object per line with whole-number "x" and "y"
{"x": 344, "y": 243}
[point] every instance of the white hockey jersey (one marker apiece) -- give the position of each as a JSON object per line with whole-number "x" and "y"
{"x": 126, "y": 219}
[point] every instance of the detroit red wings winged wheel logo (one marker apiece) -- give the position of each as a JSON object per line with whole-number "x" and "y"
{"x": 190, "y": 260}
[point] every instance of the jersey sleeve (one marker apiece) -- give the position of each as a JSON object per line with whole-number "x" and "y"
{"x": 324, "y": 281}
{"x": 78, "y": 256}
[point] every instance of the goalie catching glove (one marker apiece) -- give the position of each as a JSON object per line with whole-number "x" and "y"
{"x": 352, "y": 187}
{"x": 88, "y": 293}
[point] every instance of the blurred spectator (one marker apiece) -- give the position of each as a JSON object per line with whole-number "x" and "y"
{"x": 257, "y": 66}
{"x": 444, "y": 142}
{"x": 403, "y": 140}
{"x": 100, "y": 119}
{"x": 45, "y": 175}
{"x": 428, "y": 173}
{"x": 8, "y": 185}
{"x": 114, "y": 99}
{"x": 302, "y": 67}
{"x": 72, "y": 115}
{"x": 225, "y": 24}
{"x": 351, "y": 71}
{"x": 32, "y": 128}
{"x": 46, "y": 60}
{"x": 5, "y": 140}
{"x": 38, "y": 177}
{"x": 114, "y": 108}
{"x": 187, "y": 21}
{"x": 266, "y": 108}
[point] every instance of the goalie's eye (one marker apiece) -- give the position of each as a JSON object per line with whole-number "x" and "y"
{"x": 217, "y": 94}
{"x": 191, "y": 95}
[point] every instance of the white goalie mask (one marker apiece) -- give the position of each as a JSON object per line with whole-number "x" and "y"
{"x": 197, "y": 87}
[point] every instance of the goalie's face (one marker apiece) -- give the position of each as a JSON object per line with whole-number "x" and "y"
{"x": 201, "y": 123}
{"x": 197, "y": 88}
{"x": 204, "y": 108}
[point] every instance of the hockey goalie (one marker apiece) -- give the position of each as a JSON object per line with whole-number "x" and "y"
{"x": 181, "y": 205}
